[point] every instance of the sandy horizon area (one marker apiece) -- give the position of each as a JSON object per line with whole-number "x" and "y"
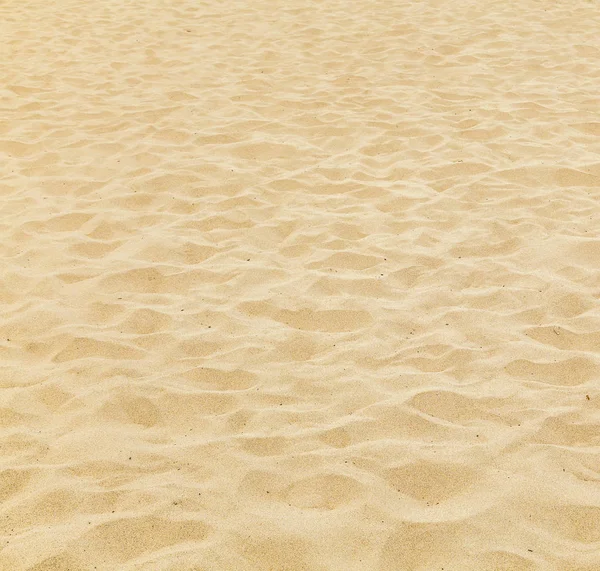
{"x": 300, "y": 286}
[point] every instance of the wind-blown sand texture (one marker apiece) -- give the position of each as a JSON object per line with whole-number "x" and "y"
{"x": 300, "y": 285}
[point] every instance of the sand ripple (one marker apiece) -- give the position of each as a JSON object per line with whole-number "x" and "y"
{"x": 300, "y": 286}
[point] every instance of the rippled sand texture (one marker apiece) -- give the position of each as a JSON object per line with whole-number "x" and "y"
{"x": 300, "y": 285}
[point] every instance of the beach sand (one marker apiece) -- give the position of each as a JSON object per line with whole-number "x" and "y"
{"x": 299, "y": 285}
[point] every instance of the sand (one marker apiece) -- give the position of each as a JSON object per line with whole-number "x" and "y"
{"x": 299, "y": 285}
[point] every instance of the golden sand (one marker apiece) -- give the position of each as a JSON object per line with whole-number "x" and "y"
{"x": 296, "y": 285}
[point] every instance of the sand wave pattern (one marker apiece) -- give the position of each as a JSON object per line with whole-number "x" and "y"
{"x": 300, "y": 286}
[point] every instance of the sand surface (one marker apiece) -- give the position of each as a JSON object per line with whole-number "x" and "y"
{"x": 300, "y": 285}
